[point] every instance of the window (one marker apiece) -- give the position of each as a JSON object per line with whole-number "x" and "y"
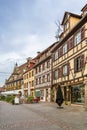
{"x": 41, "y": 93}
{"x": 36, "y": 70}
{"x": 56, "y": 74}
{"x": 65, "y": 70}
{"x": 79, "y": 63}
{"x": 64, "y": 48}
{"x": 78, "y": 93}
{"x": 39, "y": 80}
{"x": 32, "y": 83}
{"x": 48, "y": 63}
{"x": 85, "y": 12}
{"x": 77, "y": 38}
{"x": 43, "y": 66}
{"x": 36, "y": 81}
{"x": 32, "y": 73}
{"x": 48, "y": 77}
{"x": 82, "y": 33}
{"x": 44, "y": 79}
{"x": 29, "y": 74}
{"x": 40, "y": 68}
{"x": 66, "y": 25}
{"x": 56, "y": 55}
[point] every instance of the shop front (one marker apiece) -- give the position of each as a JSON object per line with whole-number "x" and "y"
{"x": 74, "y": 94}
{"x": 78, "y": 94}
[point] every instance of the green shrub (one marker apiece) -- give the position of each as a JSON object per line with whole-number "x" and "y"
{"x": 2, "y": 97}
{"x": 12, "y": 101}
{"x": 8, "y": 98}
{"x": 30, "y": 99}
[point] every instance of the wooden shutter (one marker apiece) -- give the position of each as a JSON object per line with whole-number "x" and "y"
{"x": 82, "y": 61}
{"x": 82, "y": 33}
{"x": 67, "y": 45}
{"x": 61, "y": 72}
{"x": 60, "y": 51}
{"x": 68, "y": 66}
{"x": 75, "y": 65}
{"x": 53, "y": 57}
{"x": 71, "y": 43}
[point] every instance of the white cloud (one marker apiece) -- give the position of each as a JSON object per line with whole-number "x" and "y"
{"x": 29, "y": 26}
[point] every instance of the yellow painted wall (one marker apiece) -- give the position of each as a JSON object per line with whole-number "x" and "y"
{"x": 73, "y": 21}
{"x": 29, "y": 79}
{"x": 81, "y": 48}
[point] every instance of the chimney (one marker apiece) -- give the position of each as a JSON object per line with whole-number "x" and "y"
{"x": 38, "y": 52}
{"x": 29, "y": 59}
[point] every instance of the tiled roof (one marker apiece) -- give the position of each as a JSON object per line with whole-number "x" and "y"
{"x": 17, "y": 73}
{"x": 71, "y": 14}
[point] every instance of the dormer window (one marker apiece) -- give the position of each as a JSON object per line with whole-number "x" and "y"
{"x": 85, "y": 12}
{"x": 66, "y": 26}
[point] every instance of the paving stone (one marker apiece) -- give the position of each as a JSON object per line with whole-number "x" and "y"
{"x": 42, "y": 116}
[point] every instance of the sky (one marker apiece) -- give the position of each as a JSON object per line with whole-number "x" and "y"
{"x": 28, "y": 26}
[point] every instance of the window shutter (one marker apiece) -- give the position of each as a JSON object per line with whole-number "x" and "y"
{"x": 82, "y": 33}
{"x": 60, "y": 72}
{"x": 67, "y": 45}
{"x": 75, "y": 65}
{"x": 68, "y": 68}
{"x": 60, "y": 51}
{"x": 71, "y": 43}
{"x": 53, "y": 57}
{"x": 82, "y": 61}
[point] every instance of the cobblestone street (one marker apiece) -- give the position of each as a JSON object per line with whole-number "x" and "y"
{"x": 42, "y": 116}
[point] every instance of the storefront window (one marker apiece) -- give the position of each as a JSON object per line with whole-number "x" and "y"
{"x": 78, "y": 93}
{"x": 41, "y": 94}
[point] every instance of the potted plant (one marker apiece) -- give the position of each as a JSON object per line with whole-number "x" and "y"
{"x": 30, "y": 99}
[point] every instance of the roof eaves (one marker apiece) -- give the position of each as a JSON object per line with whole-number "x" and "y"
{"x": 80, "y": 23}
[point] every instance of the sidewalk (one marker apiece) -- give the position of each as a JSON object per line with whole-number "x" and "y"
{"x": 72, "y": 107}
{"x": 72, "y": 116}
{"x": 42, "y": 116}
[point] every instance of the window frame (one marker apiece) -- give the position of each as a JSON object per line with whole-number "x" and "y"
{"x": 39, "y": 80}
{"x": 77, "y": 38}
{"x": 65, "y": 48}
{"x": 56, "y": 74}
{"x": 43, "y": 78}
{"x": 77, "y": 63}
{"x": 48, "y": 77}
{"x": 43, "y": 66}
{"x": 66, "y": 26}
{"x": 48, "y": 64}
{"x": 56, "y": 55}
{"x": 65, "y": 70}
